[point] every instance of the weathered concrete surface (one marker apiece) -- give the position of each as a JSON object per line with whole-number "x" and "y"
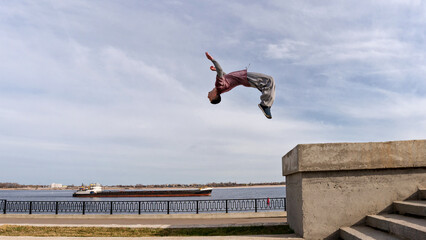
{"x": 354, "y": 156}
{"x": 294, "y": 202}
{"x": 336, "y": 185}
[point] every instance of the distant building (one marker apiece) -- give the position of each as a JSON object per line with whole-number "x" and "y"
{"x": 56, "y": 185}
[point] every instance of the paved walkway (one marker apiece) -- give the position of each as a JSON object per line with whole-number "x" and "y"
{"x": 267, "y": 237}
{"x": 150, "y": 221}
{"x": 145, "y": 223}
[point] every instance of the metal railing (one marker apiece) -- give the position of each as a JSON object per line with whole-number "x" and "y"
{"x": 139, "y": 207}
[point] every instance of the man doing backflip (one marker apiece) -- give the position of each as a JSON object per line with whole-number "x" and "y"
{"x": 226, "y": 82}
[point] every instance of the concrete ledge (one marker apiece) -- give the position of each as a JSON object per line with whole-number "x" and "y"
{"x": 354, "y": 156}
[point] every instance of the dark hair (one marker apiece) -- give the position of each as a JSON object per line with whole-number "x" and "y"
{"x": 216, "y": 100}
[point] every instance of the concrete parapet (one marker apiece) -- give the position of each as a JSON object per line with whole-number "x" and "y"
{"x": 354, "y": 156}
{"x": 335, "y": 185}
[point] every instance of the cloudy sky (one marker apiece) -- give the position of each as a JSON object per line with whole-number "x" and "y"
{"x": 116, "y": 91}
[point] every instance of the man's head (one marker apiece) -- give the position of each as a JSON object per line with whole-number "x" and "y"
{"x": 214, "y": 96}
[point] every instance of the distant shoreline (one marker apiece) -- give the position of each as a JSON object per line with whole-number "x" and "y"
{"x": 117, "y": 188}
{"x": 254, "y": 186}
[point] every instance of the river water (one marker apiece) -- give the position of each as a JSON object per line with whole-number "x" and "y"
{"x": 217, "y": 193}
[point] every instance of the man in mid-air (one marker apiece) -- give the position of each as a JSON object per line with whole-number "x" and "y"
{"x": 226, "y": 82}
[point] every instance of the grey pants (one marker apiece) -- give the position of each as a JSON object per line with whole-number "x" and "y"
{"x": 265, "y": 84}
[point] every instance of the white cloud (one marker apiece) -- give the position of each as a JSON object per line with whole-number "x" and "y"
{"x": 367, "y": 47}
{"x": 287, "y": 49}
{"x": 400, "y": 107}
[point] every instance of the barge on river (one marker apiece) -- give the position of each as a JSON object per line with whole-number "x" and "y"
{"x": 96, "y": 190}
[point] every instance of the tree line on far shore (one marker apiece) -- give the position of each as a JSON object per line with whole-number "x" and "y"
{"x": 17, "y": 185}
{"x": 196, "y": 185}
{"x": 192, "y": 185}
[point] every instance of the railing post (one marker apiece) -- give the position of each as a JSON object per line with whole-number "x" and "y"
{"x": 56, "y": 208}
{"x": 139, "y": 211}
{"x": 110, "y": 211}
{"x": 226, "y": 205}
{"x": 255, "y": 205}
{"x": 285, "y": 204}
{"x": 197, "y": 206}
{"x": 168, "y": 207}
{"x": 31, "y": 207}
{"x": 5, "y": 205}
{"x": 84, "y": 207}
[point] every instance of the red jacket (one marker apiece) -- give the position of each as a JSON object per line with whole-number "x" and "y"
{"x": 231, "y": 80}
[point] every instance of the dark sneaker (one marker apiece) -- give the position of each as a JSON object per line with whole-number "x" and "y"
{"x": 266, "y": 111}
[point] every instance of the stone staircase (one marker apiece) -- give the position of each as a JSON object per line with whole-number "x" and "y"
{"x": 407, "y": 222}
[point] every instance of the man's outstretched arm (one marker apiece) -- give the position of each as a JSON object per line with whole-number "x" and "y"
{"x": 216, "y": 67}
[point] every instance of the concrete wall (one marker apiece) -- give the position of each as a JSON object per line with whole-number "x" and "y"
{"x": 334, "y": 185}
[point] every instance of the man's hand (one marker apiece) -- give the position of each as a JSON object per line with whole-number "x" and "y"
{"x": 209, "y": 57}
{"x": 212, "y": 68}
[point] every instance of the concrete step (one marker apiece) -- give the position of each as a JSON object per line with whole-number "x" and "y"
{"x": 422, "y": 193}
{"x": 411, "y": 207}
{"x": 364, "y": 233}
{"x": 398, "y": 225}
